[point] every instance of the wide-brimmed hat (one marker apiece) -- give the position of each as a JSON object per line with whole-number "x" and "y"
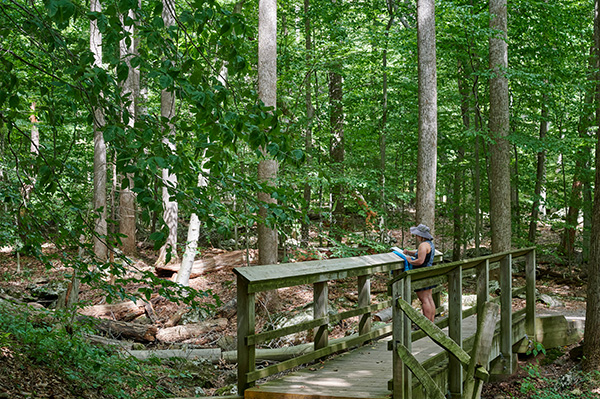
{"x": 422, "y": 231}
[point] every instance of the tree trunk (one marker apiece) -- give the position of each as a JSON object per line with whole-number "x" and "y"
{"x": 540, "y": 176}
{"x": 99, "y": 201}
{"x": 267, "y": 168}
{"x": 310, "y": 113}
{"x": 131, "y": 87}
{"x": 591, "y": 339}
{"x": 336, "y": 149}
{"x": 391, "y": 7}
{"x": 500, "y": 213}
{"x": 169, "y": 180}
{"x": 191, "y": 246}
{"x": 427, "y": 159}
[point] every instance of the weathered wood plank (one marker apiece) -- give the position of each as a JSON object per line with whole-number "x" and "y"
{"x": 364, "y": 299}
{"x": 288, "y": 364}
{"x": 433, "y": 392}
{"x": 320, "y": 292}
{"x": 486, "y": 325}
{"x": 506, "y": 341}
{"x": 268, "y": 277}
{"x": 455, "y": 331}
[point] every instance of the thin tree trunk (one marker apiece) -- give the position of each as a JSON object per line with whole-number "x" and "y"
{"x": 516, "y": 206}
{"x": 336, "y": 150}
{"x": 131, "y": 87}
{"x": 427, "y": 158}
{"x": 499, "y": 175}
{"x": 540, "y": 176}
{"x": 99, "y": 201}
{"x": 391, "y": 7}
{"x": 310, "y": 112}
{"x": 169, "y": 180}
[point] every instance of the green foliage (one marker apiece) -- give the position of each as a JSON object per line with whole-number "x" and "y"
{"x": 101, "y": 369}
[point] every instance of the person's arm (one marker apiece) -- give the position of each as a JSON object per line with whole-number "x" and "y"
{"x": 422, "y": 252}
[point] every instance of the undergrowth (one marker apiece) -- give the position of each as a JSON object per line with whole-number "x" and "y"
{"x": 30, "y": 338}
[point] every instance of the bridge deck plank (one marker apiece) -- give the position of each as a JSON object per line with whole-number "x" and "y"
{"x": 362, "y": 373}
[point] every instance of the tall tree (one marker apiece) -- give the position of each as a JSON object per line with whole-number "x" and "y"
{"x": 131, "y": 88}
{"x": 591, "y": 337}
{"x": 540, "y": 175}
{"x": 310, "y": 113}
{"x": 336, "y": 147}
{"x": 499, "y": 179}
{"x": 427, "y": 70}
{"x": 99, "y": 201}
{"x": 169, "y": 180}
{"x": 267, "y": 93}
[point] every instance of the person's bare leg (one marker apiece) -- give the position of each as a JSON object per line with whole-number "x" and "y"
{"x": 427, "y": 303}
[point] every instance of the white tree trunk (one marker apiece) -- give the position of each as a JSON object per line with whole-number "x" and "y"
{"x": 131, "y": 86}
{"x": 99, "y": 201}
{"x": 427, "y": 158}
{"x": 499, "y": 127}
{"x": 191, "y": 248}
{"x": 170, "y": 208}
{"x": 267, "y": 93}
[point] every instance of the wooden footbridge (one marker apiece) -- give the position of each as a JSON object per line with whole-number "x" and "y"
{"x": 449, "y": 359}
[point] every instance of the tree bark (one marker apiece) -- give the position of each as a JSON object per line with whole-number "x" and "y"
{"x": 427, "y": 158}
{"x": 310, "y": 113}
{"x": 336, "y": 149}
{"x": 182, "y": 333}
{"x": 540, "y": 176}
{"x": 591, "y": 339}
{"x": 169, "y": 180}
{"x": 500, "y": 213}
{"x": 99, "y": 201}
{"x": 267, "y": 93}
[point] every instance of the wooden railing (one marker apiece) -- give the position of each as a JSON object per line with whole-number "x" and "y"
{"x": 255, "y": 279}
{"x": 401, "y": 289}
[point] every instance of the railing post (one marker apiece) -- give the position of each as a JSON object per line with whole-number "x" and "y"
{"x": 407, "y": 336}
{"x": 483, "y": 286}
{"x": 455, "y": 380}
{"x": 320, "y": 293}
{"x": 245, "y": 326}
{"x": 530, "y": 266}
{"x": 364, "y": 299}
{"x": 397, "y": 339}
{"x": 506, "y": 332}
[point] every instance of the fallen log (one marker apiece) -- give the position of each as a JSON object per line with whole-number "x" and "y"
{"x": 209, "y": 354}
{"x": 124, "y": 330}
{"x": 220, "y": 261}
{"x": 187, "y": 331}
{"x": 125, "y": 311}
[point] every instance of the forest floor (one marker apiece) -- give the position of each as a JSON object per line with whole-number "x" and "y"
{"x": 556, "y": 278}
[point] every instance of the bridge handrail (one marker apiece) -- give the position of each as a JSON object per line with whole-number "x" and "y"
{"x": 465, "y": 264}
{"x": 402, "y": 288}
{"x": 255, "y": 279}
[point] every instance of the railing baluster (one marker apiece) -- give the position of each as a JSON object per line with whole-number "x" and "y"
{"x": 483, "y": 286}
{"x": 455, "y": 329}
{"x": 364, "y": 299}
{"x": 245, "y": 326}
{"x": 506, "y": 313}
{"x": 398, "y": 379}
{"x": 407, "y": 336}
{"x": 530, "y": 294}
{"x": 320, "y": 293}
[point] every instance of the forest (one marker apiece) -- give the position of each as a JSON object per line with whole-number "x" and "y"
{"x": 293, "y": 130}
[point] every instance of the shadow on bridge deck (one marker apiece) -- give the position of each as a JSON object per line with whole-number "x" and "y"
{"x": 361, "y": 373}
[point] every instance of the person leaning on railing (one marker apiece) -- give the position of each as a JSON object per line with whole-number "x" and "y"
{"x": 423, "y": 257}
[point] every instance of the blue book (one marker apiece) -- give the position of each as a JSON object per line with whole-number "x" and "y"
{"x": 400, "y": 253}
